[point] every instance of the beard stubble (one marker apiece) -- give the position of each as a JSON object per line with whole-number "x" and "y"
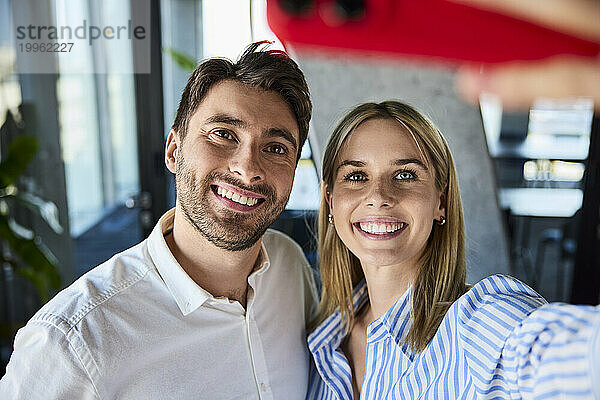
{"x": 226, "y": 229}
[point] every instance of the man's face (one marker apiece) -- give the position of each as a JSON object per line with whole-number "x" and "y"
{"x": 236, "y": 164}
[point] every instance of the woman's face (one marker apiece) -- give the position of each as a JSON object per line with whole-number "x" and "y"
{"x": 384, "y": 200}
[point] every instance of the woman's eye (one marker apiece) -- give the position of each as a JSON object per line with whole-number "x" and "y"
{"x": 406, "y": 175}
{"x": 355, "y": 177}
{"x": 277, "y": 149}
{"x": 223, "y": 133}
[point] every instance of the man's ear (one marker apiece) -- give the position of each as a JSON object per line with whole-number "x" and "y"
{"x": 171, "y": 149}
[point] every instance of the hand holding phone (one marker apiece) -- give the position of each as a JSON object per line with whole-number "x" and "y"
{"x": 518, "y": 84}
{"x": 434, "y": 30}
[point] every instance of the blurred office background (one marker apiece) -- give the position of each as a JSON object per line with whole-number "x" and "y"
{"x": 101, "y": 135}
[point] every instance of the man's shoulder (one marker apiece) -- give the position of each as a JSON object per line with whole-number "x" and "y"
{"x": 95, "y": 288}
{"x": 279, "y": 244}
{"x": 290, "y": 269}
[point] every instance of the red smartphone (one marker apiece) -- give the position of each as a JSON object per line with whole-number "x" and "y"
{"x": 432, "y": 29}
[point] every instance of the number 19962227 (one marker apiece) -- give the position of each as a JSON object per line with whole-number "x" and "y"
{"x": 46, "y": 47}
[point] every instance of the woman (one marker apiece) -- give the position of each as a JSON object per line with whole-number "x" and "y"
{"x": 396, "y": 319}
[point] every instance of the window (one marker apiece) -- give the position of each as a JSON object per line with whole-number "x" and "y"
{"x": 540, "y": 159}
{"x": 10, "y": 92}
{"x": 97, "y": 117}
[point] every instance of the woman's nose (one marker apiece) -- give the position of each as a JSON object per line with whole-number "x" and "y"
{"x": 380, "y": 195}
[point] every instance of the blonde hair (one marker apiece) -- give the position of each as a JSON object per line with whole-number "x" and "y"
{"x": 441, "y": 277}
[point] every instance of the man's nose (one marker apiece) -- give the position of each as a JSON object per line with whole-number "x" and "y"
{"x": 245, "y": 164}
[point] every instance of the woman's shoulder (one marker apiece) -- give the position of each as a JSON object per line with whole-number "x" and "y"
{"x": 501, "y": 285}
{"x": 484, "y": 318}
{"x": 500, "y": 293}
{"x": 495, "y": 306}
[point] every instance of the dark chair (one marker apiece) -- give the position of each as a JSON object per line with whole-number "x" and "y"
{"x": 563, "y": 238}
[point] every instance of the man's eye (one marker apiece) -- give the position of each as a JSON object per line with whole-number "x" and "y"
{"x": 355, "y": 177}
{"x": 277, "y": 149}
{"x": 406, "y": 175}
{"x": 223, "y": 133}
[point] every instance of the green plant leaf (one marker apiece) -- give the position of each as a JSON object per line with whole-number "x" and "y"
{"x": 40, "y": 264}
{"x": 45, "y": 209}
{"x": 19, "y": 154}
{"x": 20, "y": 230}
{"x": 183, "y": 60}
{"x": 38, "y": 281}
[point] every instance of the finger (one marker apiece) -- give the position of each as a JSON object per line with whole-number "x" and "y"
{"x": 577, "y": 17}
{"x": 518, "y": 84}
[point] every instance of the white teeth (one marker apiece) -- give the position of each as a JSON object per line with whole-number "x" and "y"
{"x": 371, "y": 227}
{"x": 250, "y": 201}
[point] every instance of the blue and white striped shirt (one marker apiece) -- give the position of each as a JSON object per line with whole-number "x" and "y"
{"x": 500, "y": 340}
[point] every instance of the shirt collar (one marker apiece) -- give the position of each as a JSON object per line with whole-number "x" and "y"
{"x": 396, "y": 321}
{"x": 262, "y": 264}
{"x": 330, "y": 332}
{"x": 187, "y": 294}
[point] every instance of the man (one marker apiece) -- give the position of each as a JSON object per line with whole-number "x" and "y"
{"x": 209, "y": 306}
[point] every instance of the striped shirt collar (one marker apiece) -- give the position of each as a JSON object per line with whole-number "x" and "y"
{"x": 396, "y": 322}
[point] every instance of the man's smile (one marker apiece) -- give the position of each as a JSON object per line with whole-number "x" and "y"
{"x": 236, "y": 198}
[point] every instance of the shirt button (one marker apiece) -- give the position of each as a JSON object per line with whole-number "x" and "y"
{"x": 263, "y": 387}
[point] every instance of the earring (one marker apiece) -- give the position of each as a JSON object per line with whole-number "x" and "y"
{"x": 442, "y": 221}
{"x": 330, "y": 219}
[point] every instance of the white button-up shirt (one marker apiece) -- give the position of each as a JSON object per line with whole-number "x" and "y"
{"x": 138, "y": 327}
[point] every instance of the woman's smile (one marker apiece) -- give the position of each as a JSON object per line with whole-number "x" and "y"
{"x": 379, "y": 228}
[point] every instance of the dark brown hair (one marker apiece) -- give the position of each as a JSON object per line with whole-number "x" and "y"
{"x": 270, "y": 70}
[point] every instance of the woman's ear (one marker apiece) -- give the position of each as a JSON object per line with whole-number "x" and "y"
{"x": 171, "y": 149}
{"x": 442, "y": 204}
{"x": 328, "y": 197}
